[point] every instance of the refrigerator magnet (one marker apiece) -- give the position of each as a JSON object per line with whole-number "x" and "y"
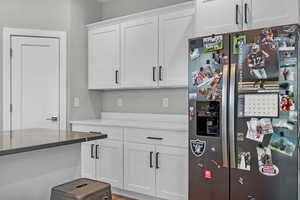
{"x": 265, "y": 163}
{"x": 193, "y": 96}
{"x": 238, "y": 42}
{"x": 198, "y": 147}
{"x": 283, "y": 145}
{"x": 244, "y": 161}
{"x": 213, "y": 43}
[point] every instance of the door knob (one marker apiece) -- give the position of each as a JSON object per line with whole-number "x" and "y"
{"x": 54, "y": 119}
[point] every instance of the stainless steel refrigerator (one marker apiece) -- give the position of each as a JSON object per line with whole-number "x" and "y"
{"x": 243, "y": 115}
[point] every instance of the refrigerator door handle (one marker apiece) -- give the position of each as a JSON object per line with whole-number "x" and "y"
{"x": 232, "y": 116}
{"x": 224, "y": 116}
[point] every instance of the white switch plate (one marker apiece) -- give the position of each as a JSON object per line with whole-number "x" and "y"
{"x": 165, "y": 102}
{"x": 76, "y": 102}
{"x": 120, "y": 102}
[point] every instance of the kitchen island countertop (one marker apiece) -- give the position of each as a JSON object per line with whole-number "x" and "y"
{"x": 36, "y": 139}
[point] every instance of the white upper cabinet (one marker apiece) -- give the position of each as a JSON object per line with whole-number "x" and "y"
{"x": 218, "y": 16}
{"x": 174, "y": 31}
{"x": 104, "y": 57}
{"x": 144, "y": 50}
{"x": 139, "y": 53}
{"x": 226, "y": 16}
{"x": 266, "y": 13}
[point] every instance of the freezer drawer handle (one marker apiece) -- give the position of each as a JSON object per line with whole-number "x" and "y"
{"x": 154, "y": 138}
{"x": 92, "y": 151}
{"x": 97, "y": 151}
{"x": 95, "y": 132}
{"x": 151, "y": 159}
{"x": 156, "y": 157}
{"x": 237, "y": 14}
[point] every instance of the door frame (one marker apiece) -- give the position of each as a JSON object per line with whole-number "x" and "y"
{"x": 8, "y": 33}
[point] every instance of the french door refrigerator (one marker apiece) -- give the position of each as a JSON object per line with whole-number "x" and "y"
{"x": 243, "y": 115}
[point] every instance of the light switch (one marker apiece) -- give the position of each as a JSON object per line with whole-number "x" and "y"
{"x": 120, "y": 102}
{"x": 76, "y": 102}
{"x": 165, "y": 102}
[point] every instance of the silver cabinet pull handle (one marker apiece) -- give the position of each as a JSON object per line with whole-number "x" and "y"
{"x": 151, "y": 159}
{"x": 153, "y": 74}
{"x": 246, "y": 13}
{"x": 237, "y": 14}
{"x": 97, "y": 151}
{"x": 92, "y": 151}
{"x": 117, "y": 76}
{"x": 54, "y": 119}
{"x": 154, "y": 138}
{"x": 160, "y": 73}
{"x": 156, "y": 157}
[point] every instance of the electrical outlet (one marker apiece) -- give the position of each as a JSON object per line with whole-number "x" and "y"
{"x": 165, "y": 102}
{"x": 76, "y": 102}
{"x": 120, "y": 102}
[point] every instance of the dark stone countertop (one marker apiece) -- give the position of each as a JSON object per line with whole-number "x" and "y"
{"x": 36, "y": 139}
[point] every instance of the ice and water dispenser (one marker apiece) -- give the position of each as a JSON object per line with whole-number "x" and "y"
{"x": 208, "y": 118}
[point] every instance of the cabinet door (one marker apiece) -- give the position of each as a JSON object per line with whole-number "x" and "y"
{"x": 104, "y": 57}
{"x": 109, "y": 162}
{"x": 139, "y": 53}
{"x": 172, "y": 173}
{"x": 88, "y": 160}
{"x": 174, "y": 31}
{"x": 267, "y": 13}
{"x": 218, "y": 16}
{"x": 139, "y": 172}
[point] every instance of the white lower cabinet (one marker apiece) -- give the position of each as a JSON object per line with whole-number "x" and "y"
{"x": 139, "y": 171}
{"x": 172, "y": 173}
{"x": 109, "y": 165}
{"x": 88, "y": 165}
{"x": 145, "y": 161}
{"x": 156, "y": 170}
{"x": 103, "y": 160}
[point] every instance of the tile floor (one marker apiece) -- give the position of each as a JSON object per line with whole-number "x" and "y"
{"x": 117, "y": 197}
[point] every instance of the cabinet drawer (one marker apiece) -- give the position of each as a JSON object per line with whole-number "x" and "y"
{"x": 113, "y": 133}
{"x": 160, "y": 137}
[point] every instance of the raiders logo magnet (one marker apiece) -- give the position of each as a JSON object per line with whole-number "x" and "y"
{"x": 198, "y": 147}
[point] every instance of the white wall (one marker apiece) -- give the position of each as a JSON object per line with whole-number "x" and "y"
{"x": 30, "y": 176}
{"x": 82, "y": 12}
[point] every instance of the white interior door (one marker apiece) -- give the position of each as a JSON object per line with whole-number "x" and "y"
{"x": 172, "y": 174}
{"x": 139, "y": 173}
{"x": 104, "y": 57}
{"x": 35, "y": 83}
{"x": 139, "y": 52}
{"x": 173, "y": 47}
